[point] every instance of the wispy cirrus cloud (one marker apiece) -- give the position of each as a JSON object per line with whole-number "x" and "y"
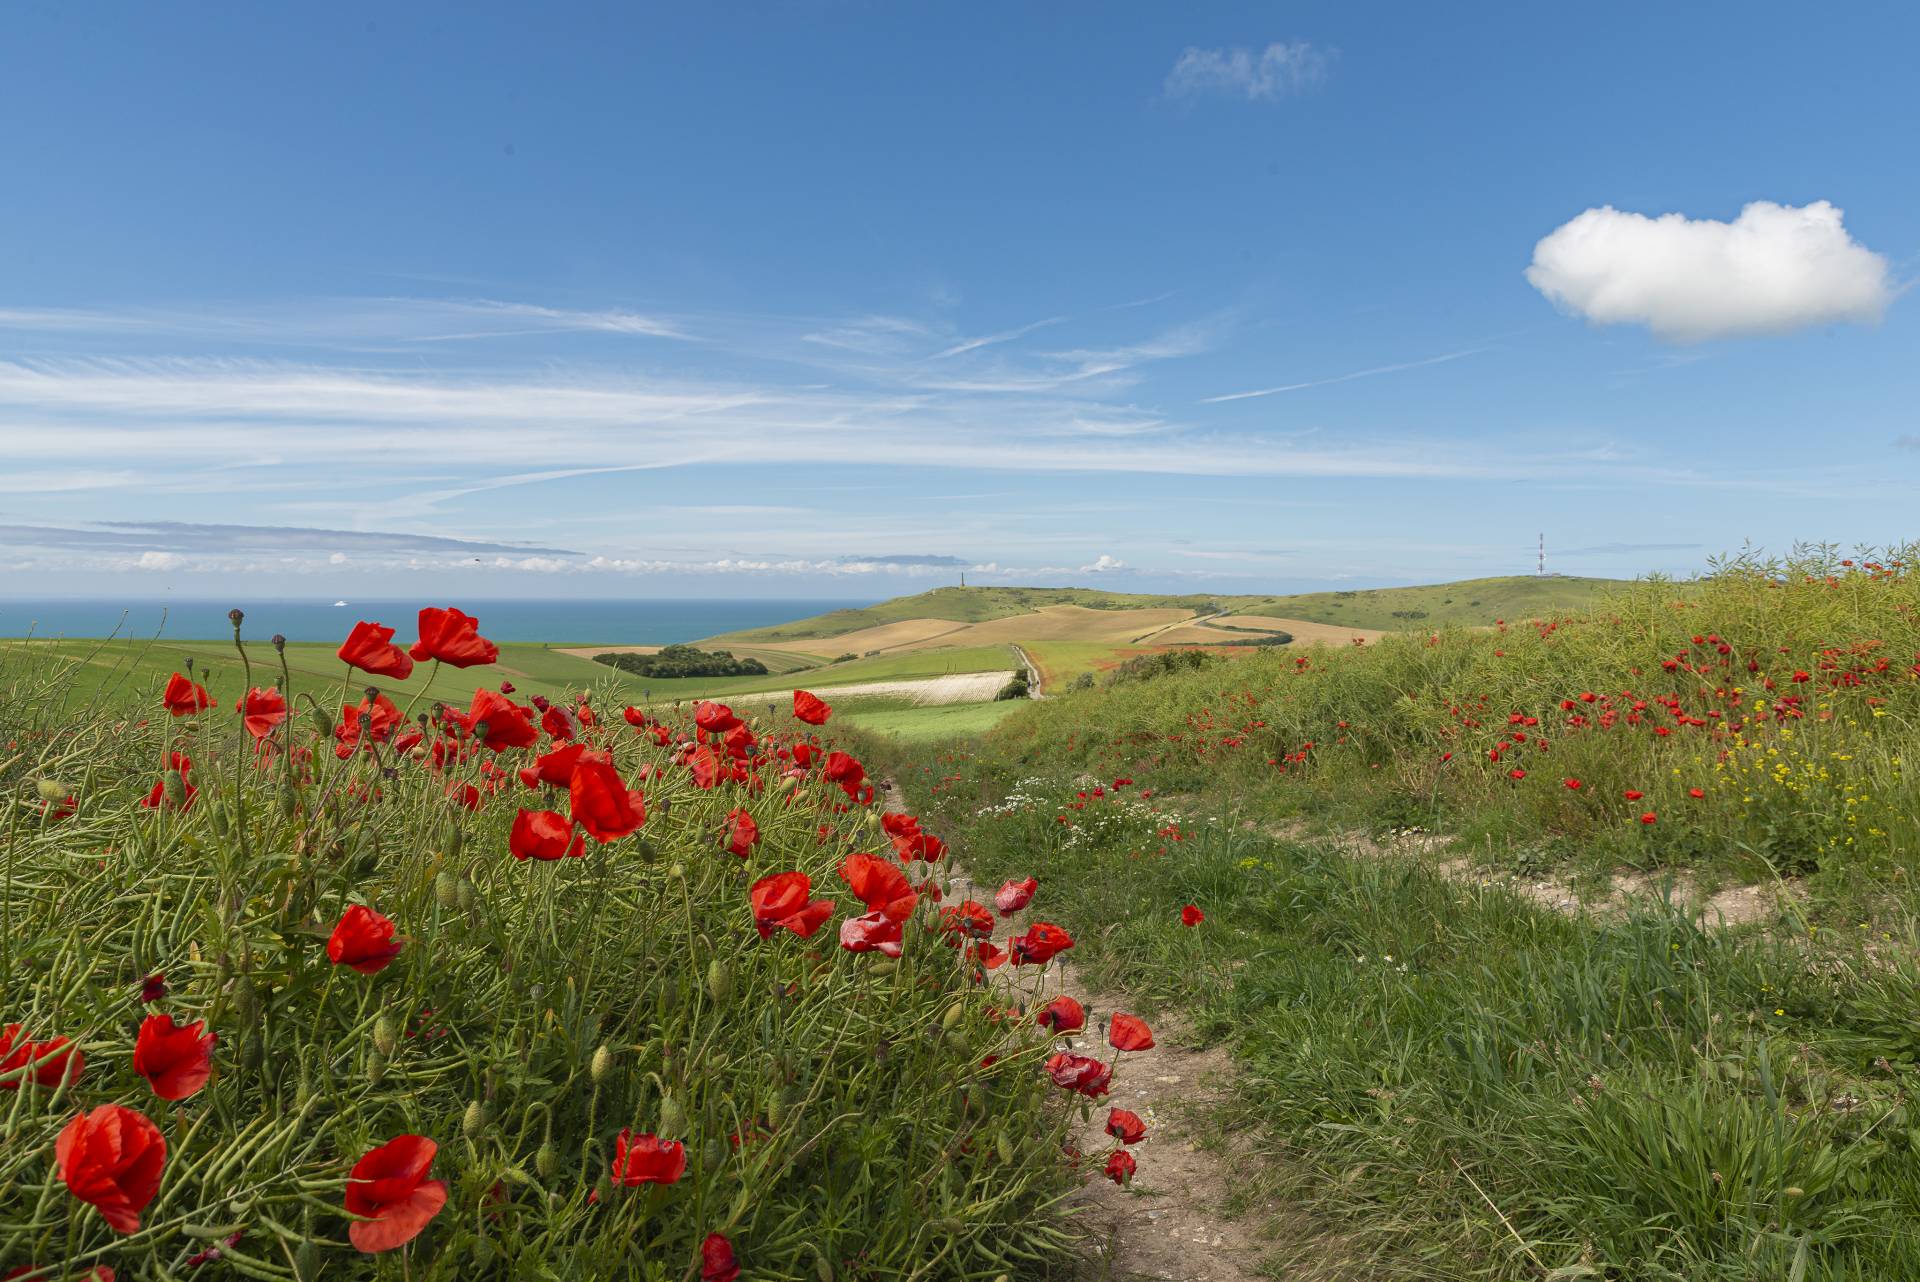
{"x": 1374, "y": 372}
{"x": 1282, "y": 69}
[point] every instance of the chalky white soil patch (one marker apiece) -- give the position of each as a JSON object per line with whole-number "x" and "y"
{"x": 960, "y": 687}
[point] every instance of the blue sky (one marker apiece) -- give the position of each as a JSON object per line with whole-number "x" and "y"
{"x": 841, "y": 298}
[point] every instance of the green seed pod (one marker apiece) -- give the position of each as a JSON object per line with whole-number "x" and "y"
{"x": 253, "y": 1052}
{"x": 473, "y": 1123}
{"x": 175, "y": 787}
{"x": 822, "y": 1269}
{"x": 546, "y": 1161}
{"x": 446, "y": 889}
{"x": 322, "y": 722}
{"x": 289, "y": 800}
{"x": 246, "y": 1002}
{"x": 952, "y": 1017}
{"x": 456, "y": 838}
{"x": 51, "y": 790}
{"x": 601, "y": 1064}
{"x": 882, "y": 966}
{"x": 719, "y": 981}
{"x": 221, "y": 826}
{"x": 776, "y": 1109}
{"x": 376, "y": 1066}
{"x": 469, "y": 895}
{"x": 385, "y": 1035}
{"x": 673, "y": 1118}
{"x": 306, "y": 1261}
{"x": 1003, "y": 1145}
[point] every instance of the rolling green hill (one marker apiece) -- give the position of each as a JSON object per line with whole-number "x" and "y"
{"x": 960, "y": 605}
{"x": 1466, "y": 603}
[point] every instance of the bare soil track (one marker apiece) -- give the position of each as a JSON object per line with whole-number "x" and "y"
{"x": 1170, "y": 1224}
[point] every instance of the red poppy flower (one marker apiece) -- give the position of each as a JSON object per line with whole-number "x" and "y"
{"x": 452, "y": 638}
{"x": 1081, "y": 1074}
{"x": 1015, "y": 895}
{"x": 363, "y": 940}
{"x": 153, "y": 988}
{"x": 508, "y": 725}
{"x": 1125, "y": 1126}
{"x": 966, "y": 918}
{"x": 647, "y": 1159}
{"x": 880, "y": 885}
{"x": 261, "y": 711}
{"x": 602, "y": 804}
{"x": 183, "y": 698}
{"x": 742, "y": 833}
{"x": 718, "y": 1263}
{"x": 557, "y": 767}
{"x": 390, "y": 1190}
{"x": 914, "y": 845}
{"x": 780, "y": 903}
{"x": 374, "y": 719}
{"x": 1191, "y": 915}
{"x": 546, "y": 835}
{"x": 1696, "y": 793}
{"x": 810, "y": 708}
{"x": 370, "y": 648}
{"x": 1063, "y": 1015}
{"x": 843, "y": 770}
{"x": 714, "y": 718}
{"x": 1129, "y": 1033}
{"x": 1041, "y": 943}
{"x": 875, "y": 932}
{"x": 1573, "y": 785}
{"x": 48, "y": 1063}
{"x": 558, "y": 723}
{"x": 1632, "y": 794}
{"x": 111, "y": 1159}
{"x": 176, "y": 1059}
{"x": 1120, "y": 1163}
{"x": 1649, "y": 818}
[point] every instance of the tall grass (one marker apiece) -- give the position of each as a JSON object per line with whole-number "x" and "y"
{"x": 843, "y": 1116}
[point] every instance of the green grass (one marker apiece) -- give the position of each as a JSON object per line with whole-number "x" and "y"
{"x": 1467, "y": 603}
{"x": 833, "y": 1106}
{"x": 107, "y": 672}
{"x": 925, "y": 724}
{"x": 1640, "y": 1100}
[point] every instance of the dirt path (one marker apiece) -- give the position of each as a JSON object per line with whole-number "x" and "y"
{"x": 1033, "y": 673}
{"x": 1168, "y": 1226}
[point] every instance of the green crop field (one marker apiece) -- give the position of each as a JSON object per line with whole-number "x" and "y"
{"x": 1467, "y": 603}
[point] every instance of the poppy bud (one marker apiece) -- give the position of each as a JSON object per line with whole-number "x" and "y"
{"x": 220, "y": 825}
{"x": 881, "y": 966}
{"x": 376, "y": 1066}
{"x": 715, "y": 1155}
{"x": 446, "y": 889}
{"x": 51, "y": 790}
{"x": 306, "y": 1261}
{"x": 469, "y": 895}
{"x": 546, "y": 1160}
{"x": 278, "y": 642}
{"x": 676, "y": 872}
{"x": 246, "y": 1003}
{"x": 474, "y": 1121}
{"x": 719, "y": 981}
{"x": 645, "y": 849}
{"x": 289, "y": 800}
{"x": 952, "y": 1017}
{"x": 673, "y": 1118}
{"x": 601, "y": 1064}
{"x": 1003, "y": 1144}
{"x": 385, "y": 1036}
{"x": 822, "y": 1269}
{"x": 236, "y": 618}
{"x": 776, "y": 1109}
{"x": 456, "y": 838}
{"x": 322, "y": 722}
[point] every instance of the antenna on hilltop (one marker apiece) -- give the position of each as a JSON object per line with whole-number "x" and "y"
{"x": 963, "y": 578}
{"x": 1541, "y": 568}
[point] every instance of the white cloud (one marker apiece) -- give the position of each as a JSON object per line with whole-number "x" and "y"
{"x": 1281, "y": 69}
{"x": 159, "y": 561}
{"x": 1104, "y": 564}
{"x": 1774, "y": 268}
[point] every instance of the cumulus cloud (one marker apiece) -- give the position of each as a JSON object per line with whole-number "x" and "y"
{"x": 159, "y": 561}
{"x": 1104, "y": 564}
{"x": 1282, "y": 69}
{"x": 1773, "y": 269}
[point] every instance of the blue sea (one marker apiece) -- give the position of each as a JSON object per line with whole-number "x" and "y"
{"x": 659, "y": 622}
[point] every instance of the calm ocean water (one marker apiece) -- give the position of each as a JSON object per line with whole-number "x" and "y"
{"x": 612, "y": 622}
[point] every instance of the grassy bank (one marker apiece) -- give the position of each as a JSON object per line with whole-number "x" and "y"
{"x": 609, "y": 1065}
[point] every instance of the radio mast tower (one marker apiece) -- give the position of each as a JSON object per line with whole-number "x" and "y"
{"x": 1540, "y": 569}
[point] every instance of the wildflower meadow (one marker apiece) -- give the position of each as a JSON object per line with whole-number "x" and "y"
{"x": 305, "y": 983}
